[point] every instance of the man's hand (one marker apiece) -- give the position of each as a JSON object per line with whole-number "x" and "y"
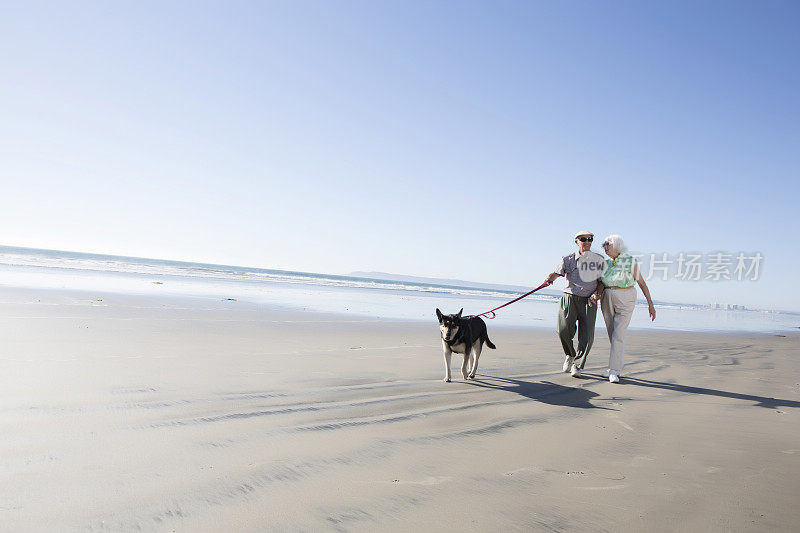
{"x": 594, "y": 298}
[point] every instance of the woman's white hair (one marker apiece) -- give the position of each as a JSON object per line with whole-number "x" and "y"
{"x": 617, "y": 243}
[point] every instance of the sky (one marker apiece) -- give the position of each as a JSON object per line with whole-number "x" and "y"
{"x": 465, "y": 140}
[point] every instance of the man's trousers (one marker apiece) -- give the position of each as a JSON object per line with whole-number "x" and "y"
{"x": 576, "y": 313}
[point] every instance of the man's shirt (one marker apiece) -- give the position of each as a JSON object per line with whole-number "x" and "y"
{"x": 581, "y": 271}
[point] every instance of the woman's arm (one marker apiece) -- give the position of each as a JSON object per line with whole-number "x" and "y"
{"x": 637, "y": 275}
{"x": 598, "y": 293}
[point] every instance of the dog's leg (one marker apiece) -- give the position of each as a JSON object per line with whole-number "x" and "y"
{"x": 476, "y": 350}
{"x": 447, "y": 354}
{"x": 465, "y": 362}
{"x": 471, "y": 363}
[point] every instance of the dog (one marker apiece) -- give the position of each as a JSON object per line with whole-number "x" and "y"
{"x": 465, "y": 336}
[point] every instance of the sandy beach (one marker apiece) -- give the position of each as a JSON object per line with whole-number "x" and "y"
{"x": 125, "y": 413}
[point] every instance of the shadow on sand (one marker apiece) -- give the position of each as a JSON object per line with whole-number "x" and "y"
{"x": 541, "y": 391}
{"x": 760, "y": 401}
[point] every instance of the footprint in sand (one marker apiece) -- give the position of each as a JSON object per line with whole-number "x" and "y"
{"x": 614, "y": 476}
{"x": 525, "y": 470}
{"x": 426, "y": 481}
{"x": 607, "y": 487}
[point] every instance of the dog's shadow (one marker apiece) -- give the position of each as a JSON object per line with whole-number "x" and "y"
{"x": 541, "y": 391}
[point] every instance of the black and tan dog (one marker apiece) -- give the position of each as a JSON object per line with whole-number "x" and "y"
{"x": 465, "y": 336}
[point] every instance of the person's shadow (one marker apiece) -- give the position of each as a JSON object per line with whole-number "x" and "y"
{"x": 760, "y": 401}
{"x": 542, "y": 391}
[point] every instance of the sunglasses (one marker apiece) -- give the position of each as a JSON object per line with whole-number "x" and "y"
{"x": 584, "y": 239}
{"x": 606, "y": 243}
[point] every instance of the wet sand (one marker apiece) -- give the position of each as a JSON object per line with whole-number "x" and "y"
{"x": 126, "y": 413}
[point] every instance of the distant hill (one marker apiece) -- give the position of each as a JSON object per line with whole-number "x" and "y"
{"x": 450, "y": 282}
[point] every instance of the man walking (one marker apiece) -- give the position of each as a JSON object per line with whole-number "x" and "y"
{"x": 582, "y": 269}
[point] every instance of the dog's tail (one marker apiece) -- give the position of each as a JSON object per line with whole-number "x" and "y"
{"x": 488, "y": 342}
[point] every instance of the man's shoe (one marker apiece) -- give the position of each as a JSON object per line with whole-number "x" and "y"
{"x": 575, "y": 371}
{"x": 613, "y": 378}
{"x": 567, "y": 364}
{"x": 606, "y": 373}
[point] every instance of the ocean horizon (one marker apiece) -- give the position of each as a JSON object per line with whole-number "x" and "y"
{"x": 402, "y": 297}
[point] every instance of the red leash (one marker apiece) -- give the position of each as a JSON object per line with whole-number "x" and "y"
{"x": 545, "y": 284}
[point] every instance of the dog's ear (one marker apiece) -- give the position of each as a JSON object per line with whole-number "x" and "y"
{"x": 438, "y": 314}
{"x": 459, "y": 313}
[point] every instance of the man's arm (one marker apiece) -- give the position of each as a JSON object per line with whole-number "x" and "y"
{"x": 598, "y": 291}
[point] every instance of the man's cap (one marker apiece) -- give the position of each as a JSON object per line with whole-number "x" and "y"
{"x": 582, "y": 233}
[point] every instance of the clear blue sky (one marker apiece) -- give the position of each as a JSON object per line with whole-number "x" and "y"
{"x": 452, "y": 139}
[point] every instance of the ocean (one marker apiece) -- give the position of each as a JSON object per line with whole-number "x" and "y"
{"x": 349, "y": 295}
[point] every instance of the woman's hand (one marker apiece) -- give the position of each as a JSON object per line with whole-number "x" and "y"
{"x": 652, "y": 310}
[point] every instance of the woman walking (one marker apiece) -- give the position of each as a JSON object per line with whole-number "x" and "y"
{"x": 619, "y": 298}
